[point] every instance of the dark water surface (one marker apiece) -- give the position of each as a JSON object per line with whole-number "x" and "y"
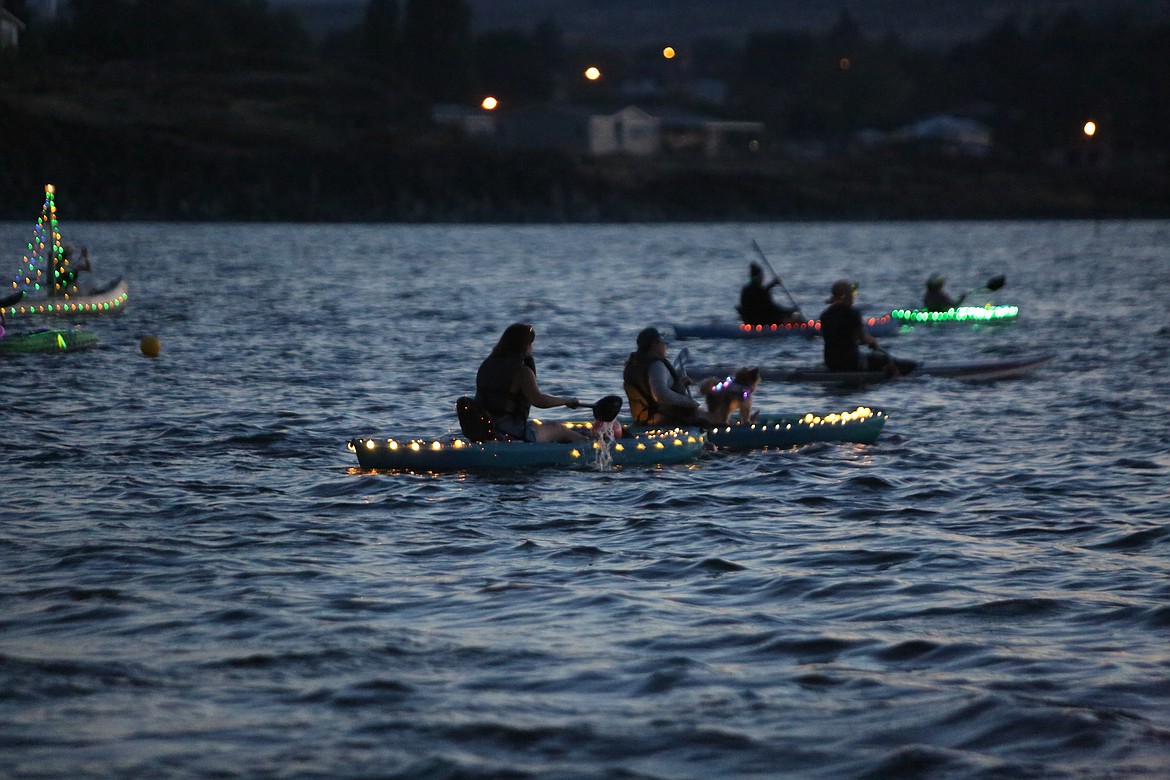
{"x": 195, "y": 581}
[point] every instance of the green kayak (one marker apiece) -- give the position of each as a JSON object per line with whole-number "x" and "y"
{"x": 46, "y": 341}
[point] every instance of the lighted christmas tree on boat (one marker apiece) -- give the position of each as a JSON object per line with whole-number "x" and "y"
{"x": 47, "y": 277}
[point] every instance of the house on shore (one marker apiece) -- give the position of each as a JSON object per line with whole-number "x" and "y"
{"x": 630, "y": 131}
{"x": 10, "y": 29}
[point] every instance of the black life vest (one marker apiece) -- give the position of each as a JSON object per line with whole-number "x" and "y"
{"x": 493, "y": 386}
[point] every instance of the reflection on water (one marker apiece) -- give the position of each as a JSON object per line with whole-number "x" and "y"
{"x": 198, "y": 582}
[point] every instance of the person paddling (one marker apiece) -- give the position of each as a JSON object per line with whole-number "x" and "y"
{"x": 756, "y": 306}
{"x": 656, "y": 391}
{"x": 843, "y": 332}
{"x": 936, "y": 298}
{"x": 506, "y": 387}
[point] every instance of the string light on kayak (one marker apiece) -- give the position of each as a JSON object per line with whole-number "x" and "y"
{"x": 46, "y": 269}
{"x": 973, "y": 314}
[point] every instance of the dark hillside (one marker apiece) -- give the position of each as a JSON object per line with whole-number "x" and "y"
{"x": 158, "y": 131}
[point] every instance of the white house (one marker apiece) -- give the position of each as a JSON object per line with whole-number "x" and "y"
{"x": 630, "y": 131}
{"x": 472, "y": 122}
{"x": 10, "y": 30}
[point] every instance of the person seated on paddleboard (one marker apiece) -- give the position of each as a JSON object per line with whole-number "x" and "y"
{"x": 506, "y": 386}
{"x": 67, "y": 270}
{"x": 656, "y": 391}
{"x": 756, "y": 306}
{"x": 843, "y": 332}
{"x": 936, "y": 298}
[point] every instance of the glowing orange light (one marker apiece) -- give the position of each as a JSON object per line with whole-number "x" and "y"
{"x": 668, "y": 52}
{"x": 592, "y": 73}
{"x": 489, "y": 103}
{"x": 1090, "y": 128}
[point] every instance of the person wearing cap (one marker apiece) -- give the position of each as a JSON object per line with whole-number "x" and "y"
{"x": 656, "y": 392}
{"x": 505, "y": 386}
{"x": 756, "y": 306}
{"x": 843, "y": 333}
{"x": 936, "y": 298}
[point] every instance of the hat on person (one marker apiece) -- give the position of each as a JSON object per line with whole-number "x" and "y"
{"x": 648, "y": 338}
{"x": 935, "y": 282}
{"x": 840, "y": 289}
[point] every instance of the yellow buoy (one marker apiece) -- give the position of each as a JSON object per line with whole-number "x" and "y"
{"x": 150, "y": 346}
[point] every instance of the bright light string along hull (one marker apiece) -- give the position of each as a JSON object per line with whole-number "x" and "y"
{"x": 811, "y": 326}
{"x": 966, "y": 314}
{"x": 46, "y": 279}
{"x": 439, "y": 455}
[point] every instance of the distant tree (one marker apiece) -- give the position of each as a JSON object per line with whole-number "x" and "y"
{"x": 547, "y": 38}
{"x": 436, "y": 42}
{"x": 380, "y": 32}
{"x": 114, "y": 29}
{"x": 825, "y": 87}
{"x": 512, "y": 66}
{"x": 18, "y": 8}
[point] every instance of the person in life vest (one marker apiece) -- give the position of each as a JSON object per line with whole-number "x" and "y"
{"x": 656, "y": 392}
{"x": 936, "y": 298}
{"x": 506, "y": 387}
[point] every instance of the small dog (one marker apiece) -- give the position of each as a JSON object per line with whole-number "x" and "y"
{"x": 730, "y": 394}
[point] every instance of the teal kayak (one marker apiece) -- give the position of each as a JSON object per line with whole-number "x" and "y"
{"x": 860, "y": 426}
{"x": 649, "y": 448}
{"x": 781, "y": 431}
{"x": 46, "y": 341}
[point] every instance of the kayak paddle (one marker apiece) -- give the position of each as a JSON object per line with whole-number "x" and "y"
{"x": 775, "y": 275}
{"x": 606, "y": 409}
{"x": 993, "y": 284}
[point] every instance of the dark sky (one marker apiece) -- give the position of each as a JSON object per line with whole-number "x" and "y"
{"x": 682, "y": 21}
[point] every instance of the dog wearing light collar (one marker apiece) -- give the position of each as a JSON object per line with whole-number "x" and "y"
{"x": 731, "y": 394}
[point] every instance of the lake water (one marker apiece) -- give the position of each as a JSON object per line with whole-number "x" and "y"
{"x": 197, "y": 581}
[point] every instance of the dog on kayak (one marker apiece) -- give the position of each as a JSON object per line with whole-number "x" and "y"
{"x": 731, "y": 394}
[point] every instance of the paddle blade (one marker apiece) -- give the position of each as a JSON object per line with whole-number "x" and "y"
{"x": 996, "y": 282}
{"x": 608, "y": 408}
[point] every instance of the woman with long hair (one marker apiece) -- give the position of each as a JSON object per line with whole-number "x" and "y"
{"x": 506, "y": 386}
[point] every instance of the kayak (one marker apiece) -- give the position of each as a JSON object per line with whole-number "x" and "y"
{"x": 960, "y": 315}
{"x": 649, "y": 448}
{"x": 878, "y": 327}
{"x": 46, "y": 341}
{"x": 111, "y": 298}
{"x": 860, "y": 426}
{"x": 780, "y": 431}
{"x": 985, "y": 371}
{"x": 47, "y": 257}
